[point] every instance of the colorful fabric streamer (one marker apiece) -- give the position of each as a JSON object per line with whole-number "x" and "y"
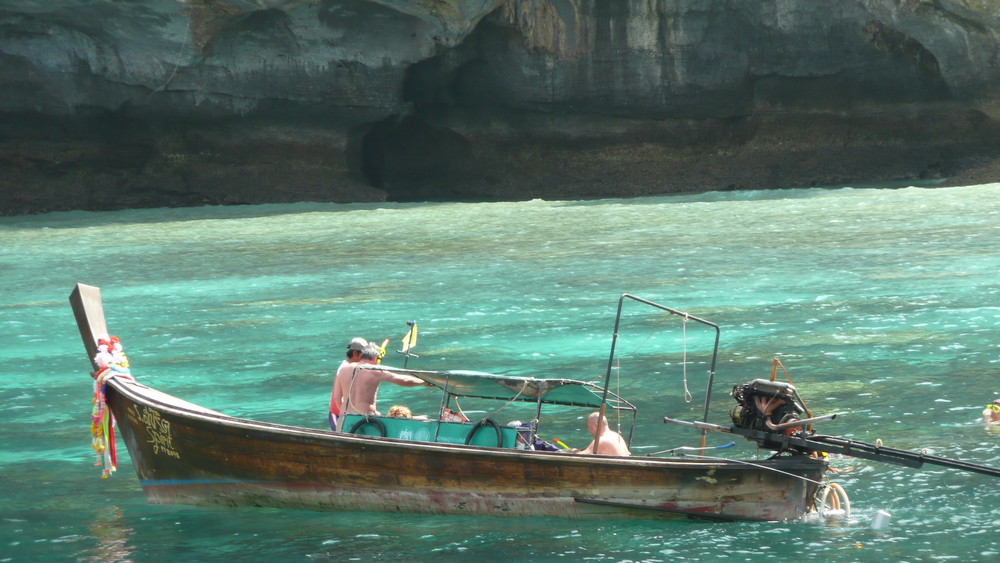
{"x": 111, "y": 362}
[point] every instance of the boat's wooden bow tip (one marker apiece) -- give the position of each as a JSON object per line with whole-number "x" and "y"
{"x": 89, "y": 312}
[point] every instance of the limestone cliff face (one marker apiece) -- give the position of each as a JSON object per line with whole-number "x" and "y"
{"x": 122, "y": 103}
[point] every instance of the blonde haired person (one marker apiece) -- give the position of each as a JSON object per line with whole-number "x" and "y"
{"x": 991, "y": 414}
{"x": 400, "y": 411}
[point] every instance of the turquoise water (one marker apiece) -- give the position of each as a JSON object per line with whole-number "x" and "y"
{"x": 883, "y": 305}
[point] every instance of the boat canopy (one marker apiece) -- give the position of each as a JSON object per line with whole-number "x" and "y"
{"x": 482, "y": 385}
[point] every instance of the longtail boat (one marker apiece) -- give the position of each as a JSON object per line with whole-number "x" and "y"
{"x": 187, "y": 454}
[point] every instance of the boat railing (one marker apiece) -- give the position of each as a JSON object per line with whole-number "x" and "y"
{"x": 539, "y": 391}
{"x": 686, "y": 317}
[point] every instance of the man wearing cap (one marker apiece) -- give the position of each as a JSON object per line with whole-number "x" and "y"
{"x": 358, "y": 388}
{"x": 354, "y": 348}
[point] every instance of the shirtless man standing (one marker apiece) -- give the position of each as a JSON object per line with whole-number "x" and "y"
{"x": 610, "y": 442}
{"x": 354, "y": 348}
{"x": 357, "y": 389}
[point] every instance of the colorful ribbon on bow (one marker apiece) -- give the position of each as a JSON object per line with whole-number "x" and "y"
{"x": 111, "y": 362}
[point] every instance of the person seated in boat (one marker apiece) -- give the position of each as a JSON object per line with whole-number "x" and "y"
{"x": 524, "y": 433}
{"x": 354, "y": 348}
{"x": 358, "y": 388}
{"x": 608, "y": 441}
{"x": 991, "y": 414}
{"x": 400, "y": 411}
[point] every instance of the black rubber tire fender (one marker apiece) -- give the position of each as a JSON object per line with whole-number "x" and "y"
{"x": 374, "y": 422}
{"x": 482, "y": 424}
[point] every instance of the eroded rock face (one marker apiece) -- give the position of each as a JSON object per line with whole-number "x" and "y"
{"x": 118, "y": 103}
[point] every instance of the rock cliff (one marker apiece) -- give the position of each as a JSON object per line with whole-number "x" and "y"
{"x": 131, "y": 103}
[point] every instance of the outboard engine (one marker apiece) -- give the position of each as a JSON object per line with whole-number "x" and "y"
{"x": 764, "y": 405}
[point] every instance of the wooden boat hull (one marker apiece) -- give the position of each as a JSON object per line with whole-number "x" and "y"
{"x": 185, "y": 454}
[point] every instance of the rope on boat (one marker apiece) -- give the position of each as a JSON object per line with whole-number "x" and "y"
{"x": 752, "y": 464}
{"x": 831, "y": 497}
{"x": 505, "y": 405}
{"x": 830, "y": 494}
{"x": 688, "y": 397}
{"x": 693, "y": 448}
{"x": 684, "y": 361}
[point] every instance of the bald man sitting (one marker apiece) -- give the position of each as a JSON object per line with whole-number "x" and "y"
{"x": 608, "y": 441}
